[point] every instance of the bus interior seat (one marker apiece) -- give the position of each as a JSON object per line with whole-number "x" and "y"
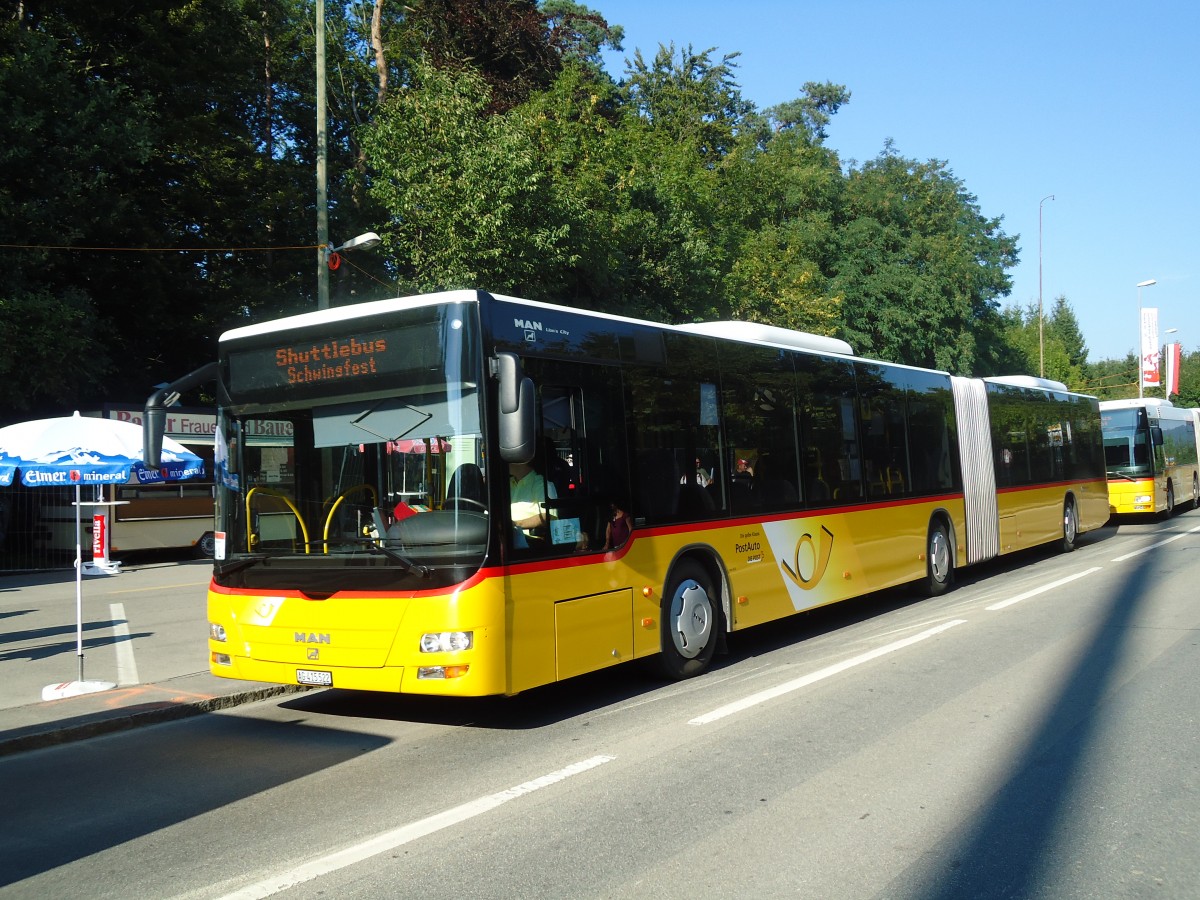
{"x": 694, "y": 500}
{"x": 658, "y": 483}
{"x": 466, "y": 484}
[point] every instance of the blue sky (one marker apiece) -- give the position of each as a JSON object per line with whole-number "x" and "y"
{"x": 1095, "y": 103}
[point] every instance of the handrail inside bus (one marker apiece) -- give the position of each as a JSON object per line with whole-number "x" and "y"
{"x": 338, "y": 502}
{"x": 272, "y": 492}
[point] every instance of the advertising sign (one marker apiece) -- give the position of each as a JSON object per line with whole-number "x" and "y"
{"x": 1151, "y": 376}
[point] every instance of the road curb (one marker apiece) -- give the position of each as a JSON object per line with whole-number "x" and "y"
{"x": 35, "y": 737}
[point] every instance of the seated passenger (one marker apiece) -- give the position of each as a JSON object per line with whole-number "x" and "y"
{"x": 619, "y": 527}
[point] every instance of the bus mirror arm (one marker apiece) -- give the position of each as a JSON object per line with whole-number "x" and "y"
{"x": 154, "y": 418}
{"x": 517, "y": 402}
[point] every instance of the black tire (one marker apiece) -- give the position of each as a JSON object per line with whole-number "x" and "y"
{"x": 690, "y": 621}
{"x": 206, "y": 547}
{"x": 1070, "y": 526}
{"x": 939, "y": 560}
{"x": 1170, "y": 510}
{"x": 1196, "y": 492}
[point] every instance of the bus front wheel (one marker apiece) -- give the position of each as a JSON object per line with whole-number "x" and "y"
{"x": 1196, "y": 492}
{"x": 939, "y": 560}
{"x": 690, "y": 614}
{"x": 1170, "y": 510}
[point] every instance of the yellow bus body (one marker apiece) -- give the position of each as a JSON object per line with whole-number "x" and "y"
{"x": 542, "y": 622}
{"x": 1145, "y": 495}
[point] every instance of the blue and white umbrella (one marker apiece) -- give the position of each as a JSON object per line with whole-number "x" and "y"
{"x": 73, "y": 451}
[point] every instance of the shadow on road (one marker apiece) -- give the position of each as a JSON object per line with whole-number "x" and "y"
{"x": 1004, "y": 852}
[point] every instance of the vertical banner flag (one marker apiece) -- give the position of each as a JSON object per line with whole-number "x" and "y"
{"x": 1150, "y": 372}
{"x": 1172, "y": 365}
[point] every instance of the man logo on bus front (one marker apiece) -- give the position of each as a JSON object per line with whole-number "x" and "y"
{"x": 820, "y": 558}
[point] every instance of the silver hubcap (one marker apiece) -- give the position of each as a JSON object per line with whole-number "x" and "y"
{"x": 1069, "y": 524}
{"x": 939, "y": 556}
{"x": 691, "y": 619}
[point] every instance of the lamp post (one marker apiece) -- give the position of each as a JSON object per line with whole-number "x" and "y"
{"x": 364, "y": 241}
{"x": 1141, "y": 336}
{"x": 1041, "y": 319}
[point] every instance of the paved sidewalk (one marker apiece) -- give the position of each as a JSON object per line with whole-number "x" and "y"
{"x": 144, "y": 630}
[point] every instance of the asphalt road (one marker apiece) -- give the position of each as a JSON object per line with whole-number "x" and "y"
{"x": 1030, "y": 734}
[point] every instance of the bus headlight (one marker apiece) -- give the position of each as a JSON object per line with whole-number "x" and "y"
{"x": 447, "y": 641}
{"x": 216, "y": 631}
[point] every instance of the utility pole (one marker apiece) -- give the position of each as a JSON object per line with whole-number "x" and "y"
{"x": 322, "y": 163}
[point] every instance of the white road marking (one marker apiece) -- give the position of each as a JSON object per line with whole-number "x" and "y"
{"x": 804, "y": 681}
{"x": 127, "y": 672}
{"x": 1153, "y": 546}
{"x": 390, "y": 840}
{"x": 1041, "y": 590}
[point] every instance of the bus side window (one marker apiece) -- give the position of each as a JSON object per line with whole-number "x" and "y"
{"x": 580, "y": 451}
{"x": 826, "y": 404}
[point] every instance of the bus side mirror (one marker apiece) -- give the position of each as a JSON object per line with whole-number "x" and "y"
{"x": 1156, "y": 435}
{"x": 154, "y": 424}
{"x": 517, "y": 402}
{"x": 154, "y": 417}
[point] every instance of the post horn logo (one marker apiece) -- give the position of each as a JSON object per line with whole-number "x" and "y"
{"x": 820, "y": 559}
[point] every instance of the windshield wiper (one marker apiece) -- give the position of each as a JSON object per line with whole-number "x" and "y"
{"x": 236, "y": 565}
{"x": 1121, "y": 475}
{"x": 409, "y": 566}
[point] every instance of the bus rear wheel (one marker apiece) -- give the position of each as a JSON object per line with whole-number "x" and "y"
{"x": 690, "y": 615}
{"x": 1196, "y": 492}
{"x": 206, "y": 547}
{"x": 939, "y": 561}
{"x": 1070, "y": 526}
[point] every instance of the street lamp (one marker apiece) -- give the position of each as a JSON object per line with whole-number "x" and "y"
{"x": 1041, "y": 331}
{"x": 363, "y": 241}
{"x": 1142, "y": 336}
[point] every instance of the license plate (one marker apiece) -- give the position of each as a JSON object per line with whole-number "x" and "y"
{"x": 311, "y": 676}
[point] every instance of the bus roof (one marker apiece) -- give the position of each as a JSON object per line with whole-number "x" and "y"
{"x": 1135, "y": 402}
{"x": 1029, "y": 381}
{"x": 349, "y": 313}
{"x": 746, "y": 332}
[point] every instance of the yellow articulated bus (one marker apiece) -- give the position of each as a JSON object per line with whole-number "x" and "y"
{"x": 1151, "y": 451}
{"x": 470, "y": 494}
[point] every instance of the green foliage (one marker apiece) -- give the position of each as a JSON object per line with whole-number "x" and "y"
{"x": 486, "y": 144}
{"x": 920, "y": 269}
{"x": 43, "y": 334}
{"x": 579, "y": 33}
{"x": 472, "y": 202}
{"x": 1058, "y": 351}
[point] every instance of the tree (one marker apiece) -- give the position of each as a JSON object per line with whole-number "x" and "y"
{"x": 504, "y": 41}
{"x": 690, "y": 100}
{"x": 813, "y": 110}
{"x": 1059, "y": 349}
{"x": 580, "y": 34}
{"x": 468, "y": 197}
{"x": 920, "y": 268}
{"x": 152, "y": 125}
{"x": 784, "y": 190}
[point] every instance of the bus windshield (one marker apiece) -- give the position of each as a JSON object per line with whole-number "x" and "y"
{"x": 1127, "y": 443}
{"x": 369, "y": 480}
